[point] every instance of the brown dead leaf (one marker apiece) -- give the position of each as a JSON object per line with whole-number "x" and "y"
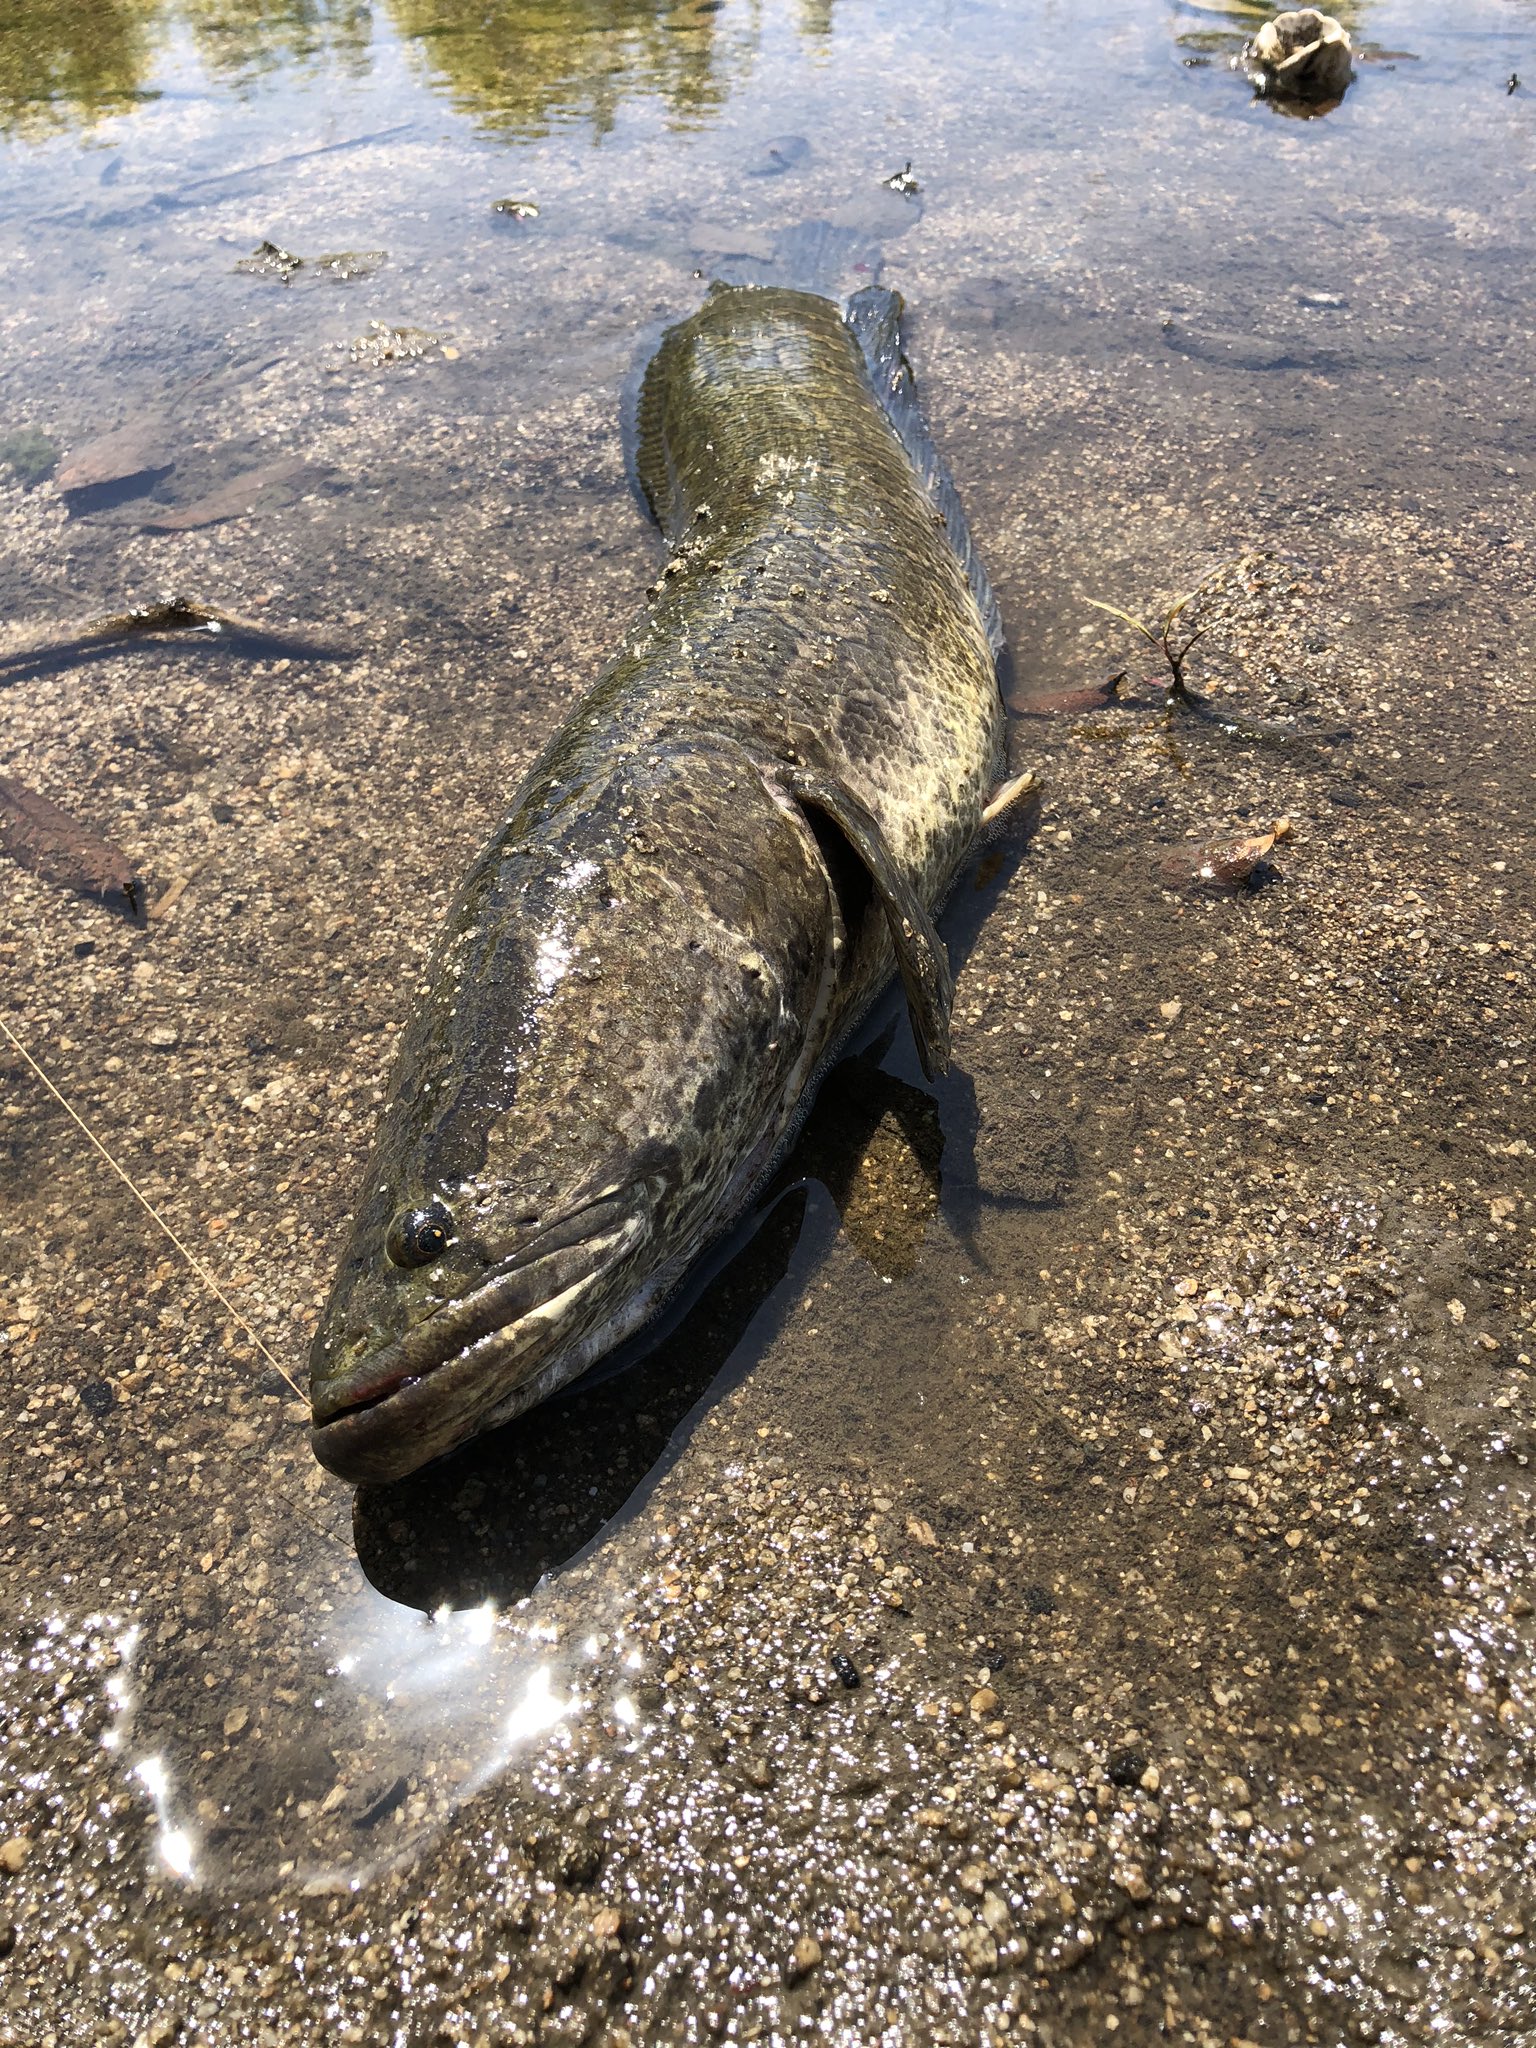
{"x": 138, "y": 449}
{"x": 1052, "y": 703}
{"x": 1216, "y": 864}
{"x": 53, "y": 844}
{"x": 232, "y": 500}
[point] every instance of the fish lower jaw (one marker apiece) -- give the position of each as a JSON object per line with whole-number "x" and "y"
{"x": 396, "y": 1428}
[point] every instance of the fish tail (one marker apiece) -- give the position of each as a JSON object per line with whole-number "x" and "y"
{"x": 874, "y": 316}
{"x": 831, "y": 259}
{"x": 818, "y": 256}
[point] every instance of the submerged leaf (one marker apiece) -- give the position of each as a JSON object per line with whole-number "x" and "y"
{"x": 136, "y": 450}
{"x": 1219, "y": 864}
{"x": 232, "y": 500}
{"x": 53, "y": 844}
{"x": 1125, "y": 617}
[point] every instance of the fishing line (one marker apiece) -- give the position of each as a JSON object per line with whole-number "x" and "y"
{"x": 143, "y": 1200}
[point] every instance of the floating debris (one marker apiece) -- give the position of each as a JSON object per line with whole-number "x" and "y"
{"x": 31, "y": 457}
{"x": 902, "y": 181}
{"x": 1301, "y": 55}
{"x": 232, "y": 500}
{"x": 268, "y": 260}
{"x": 345, "y": 264}
{"x": 1220, "y": 864}
{"x": 49, "y": 647}
{"x": 515, "y": 209}
{"x": 121, "y": 464}
{"x": 383, "y": 344}
{"x": 52, "y": 843}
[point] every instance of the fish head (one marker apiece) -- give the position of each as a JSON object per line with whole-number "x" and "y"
{"x": 588, "y": 1060}
{"x": 460, "y": 1302}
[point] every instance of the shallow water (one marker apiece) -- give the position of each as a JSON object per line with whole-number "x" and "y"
{"x": 1142, "y": 1415}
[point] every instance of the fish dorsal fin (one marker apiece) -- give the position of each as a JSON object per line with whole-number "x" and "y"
{"x": 643, "y": 425}
{"x": 874, "y": 318}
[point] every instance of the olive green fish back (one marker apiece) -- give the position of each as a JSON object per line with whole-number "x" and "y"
{"x": 764, "y": 380}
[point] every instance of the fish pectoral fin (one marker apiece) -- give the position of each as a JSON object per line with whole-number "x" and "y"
{"x": 921, "y": 958}
{"x": 1018, "y": 789}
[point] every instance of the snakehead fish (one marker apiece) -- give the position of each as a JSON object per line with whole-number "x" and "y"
{"x": 708, "y": 876}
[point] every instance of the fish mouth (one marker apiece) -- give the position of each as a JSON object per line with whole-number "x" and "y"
{"x": 414, "y": 1399}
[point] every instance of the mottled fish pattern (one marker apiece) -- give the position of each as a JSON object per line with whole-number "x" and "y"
{"x": 709, "y": 874}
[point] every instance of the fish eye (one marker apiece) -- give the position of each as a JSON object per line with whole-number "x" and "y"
{"x": 418, "y": 1236}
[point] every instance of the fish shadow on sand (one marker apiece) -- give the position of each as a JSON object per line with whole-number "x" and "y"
{"x": 490, "y": 1521}
{"x": 873, "y": 1159}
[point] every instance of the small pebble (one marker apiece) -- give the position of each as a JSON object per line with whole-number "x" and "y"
{"x": 804, "y": 1957}
{"x": 978, "y": 1950}
{"x": 996, "y": 1914}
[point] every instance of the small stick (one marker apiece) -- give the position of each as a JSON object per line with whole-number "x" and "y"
{"x": 279, "y": 163}
{"x": 50, "y": 646}
{"x": 163, "y": 905}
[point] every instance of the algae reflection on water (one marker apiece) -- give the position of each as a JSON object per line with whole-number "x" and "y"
{"x": 524, "y": 66}
{"x": 516, "y": 67}
{"x": 65, "y": 65}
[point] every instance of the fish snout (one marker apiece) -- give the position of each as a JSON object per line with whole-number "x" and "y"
{"x": 390, "y": 1404}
